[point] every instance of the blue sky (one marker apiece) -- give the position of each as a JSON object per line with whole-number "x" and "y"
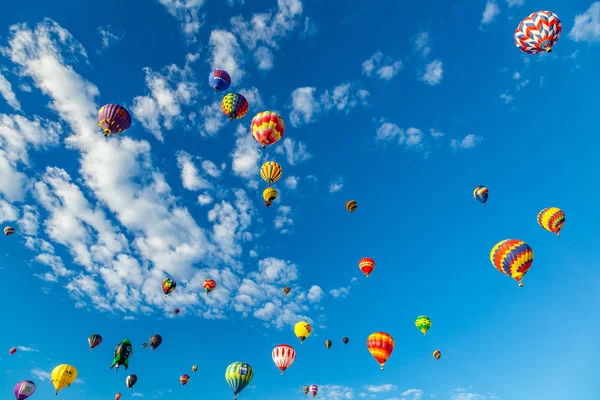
{"x": 404, "y": 108}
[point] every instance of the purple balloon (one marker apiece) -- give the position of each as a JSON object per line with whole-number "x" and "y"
{"x": 113, "y": 119}
{"x": 24, "y": 389}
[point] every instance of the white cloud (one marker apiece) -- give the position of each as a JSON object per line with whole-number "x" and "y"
{"x": 336, "y": 185}
{"x": 41, "y": 374}
{"x": 315, "y": 293}
{"x": 108, "y": 38}
{"x": 291, "y": 182}
{"x": 462, "y": 394}
{"x": 385, "y": 67}
{"x": 340, "y": 292}
{"x": 253, "y": 254}
{"x": 515, "y": 3}
{"x": 264, "y": 58}
{"x": 27, "y": 349}
{"x": 295, "y": 152}
{"x": 213, "y": 119}
{"x": 522, "y": 84}
{"x": 586, "y": 27}
{"x": 246, "y": 154}
{"x": 412, "y": 394}
{"x": 388, "y": 387}
{"x": 432, "y": 75}
{"x": 8, "y": 94}
{"x": 137, "y": 394}
{"x": 187, "y": 12}
{"x": 422, "y": 43}
{"x": 306, "y": 107}
{"x": 411, "y": 138}
{"x": 225, "y": 53}
{"x": 490, "y": 12}
{"x": 468, "y": 142}
{"x": 506, "y": 97}
{"x": 436, "y": 134}
{"x": 516, "y": 76}
{"x": 283, "y": 220}
{"x": 190, "y": 175}
{"x": 205, "y": 199}
{"x": 29, "y": 222}
{"x": 335, "y": 392}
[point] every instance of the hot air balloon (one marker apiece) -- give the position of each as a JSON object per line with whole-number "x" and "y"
{"x": 63, "y": 376}
{"x": 155, "y": 341}
{"x": 269, "y": 194}
{"x": 184, "y": 379}
{"x": 234, "y": 105}
{"x": 513, "y": 258}
{"x": 118, "y": 396}
{"x": 144, "y": 345}
{"x": 351, "y": 205}
{"x": 423, "y": 323}
{"x": 283, "y": 356}
{"x": 538, "y": 32}
{"x": 551, "y": 219}
{"x": 238, "y": 375}
{"x": 380, "y": 345}
{"x": 345, "y": 340}
{"x": 9, "y": 230}
{"x": 313, "y": 389}
{"x": 209, "y": 285}
{"x": 328, "y": 343}
{"x": 305, "y": 389}
{"x": 271, "y": 172}
{"x": 24, "y": 389}
{"x": 286, "y": 290}
{"x": 168, "y": 285}
{"x": 130, "y": 381}
{"x": 437, "y": 354}
{"x": 94, "y": 340}
{"x": 195, "y": 368}
{"x": 267, "y": 128}
{"x": 12, "y": 350}
{"x": 122, "y": 353}
{"x": 113, "y": 119}
{"x": 302, "y": 330}
{"x": 481, "y": 193}
{"x": 366, "y": 265}
{"x": 176, "y": 311}
{"x": 219, "y": 80}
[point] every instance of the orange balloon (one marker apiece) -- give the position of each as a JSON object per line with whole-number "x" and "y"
{"x": 366, "y": 265}
{"x": 380, "y": 346}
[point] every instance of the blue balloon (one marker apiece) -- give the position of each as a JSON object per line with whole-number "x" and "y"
{"x": 219, "y": 80}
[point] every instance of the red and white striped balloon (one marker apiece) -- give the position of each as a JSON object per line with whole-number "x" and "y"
{"x": 283, "y": 356}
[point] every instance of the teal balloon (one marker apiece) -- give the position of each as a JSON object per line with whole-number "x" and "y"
{"x": 238, "y": 375}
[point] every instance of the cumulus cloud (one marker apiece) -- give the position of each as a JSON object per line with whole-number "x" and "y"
{"x": 246, "y": 154}
{"x": 7, "y": 93}
{"x": 490, "y": 12}
{"x": 225, "y": 53}
{"x": 422, "y": 43}
{"x": 411, "y": 138}
{"x": 586, "y": 27}
{"x": 283, "y": 220}
{"x": 336, "y": 185}
{"x": 387, "y": 387}
{"x": 190, "y": 175}
{"x": 187, "y": 13}
{"x": 205, "y": 199}
{"x": 295, "y": 151}
{"x": 432, "y": 75}
{"x": 340, "y": 292}
{"x": 468, "y": 142}
{"x": 385, "y": 67}
{"x": 291, "y": 182}
{"x": 412, "y": 394}
{"x": 335, "y": 392}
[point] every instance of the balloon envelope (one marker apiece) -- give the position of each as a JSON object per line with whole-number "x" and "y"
{"x": 24, "y": 389}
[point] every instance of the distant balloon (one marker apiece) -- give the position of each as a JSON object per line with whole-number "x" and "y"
{"x": 380, "y": 345}
{"x": 366, "y": 265}
{"x": 155, "y": 341}
{"x": 513, "y": 258}
{"x": 271, "y": 172}
{"x": 313, "y": 389}
{"x": 12, "y": 350}
{"x": 481, "y": 193}
{"x": 328, "y": 343}
{"x": 437, "y": 354}
{"x": 9, "y": 230}
{"x": 195, "y": 368}
{"x": 118, "y": 396}
{"x": 351, "y": 205}
{"x": 24, "y": 389}
{"x": 305, "y": 389}
{"x": 238, "y": 375}
{"x": 184, "y": 379}
{"x": 113, "y": 119}
{"x": 144, "y": 345}
{"x": 538, "y": 33}
{"x": 302, "y": 330}
{"x": 269, "y": 195}
{"x": 176, "y": 311}
{"x": 219, "y": 80}
{"x": 94, "y": 340}
{"x": 130, "y": 381}
{"x": 209, "y": 285}
{"x": 286, "y": 290}
{"x": 62, "y": 376}
{"x": 267, "y": 128}
{"x": 551, "y": 219}
{"x": 283, "y": 356}
{"x": 234, "y": 105}
{"x": 168, "y": 285}
{"x": 345, "y": 340}
{"x": 423, "y": 323}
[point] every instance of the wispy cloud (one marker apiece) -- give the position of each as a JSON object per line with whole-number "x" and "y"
{"x": 384, "y": 67}
{"x": 336, "y": 185}
{"x": 27, "y": 349}
{"x": 468, "y": 142}
{"x": 433, "y": 73}
{"x": 385, "y": 388}
{"x": 490, "y": 12}
{"x": 108, "y": 38}
{"x": 7, "y": 93}
{"x": 586, "y": 26}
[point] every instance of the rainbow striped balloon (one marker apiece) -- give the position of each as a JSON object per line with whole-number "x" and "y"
{"x": 513, "y": 258}
{"x": 551, "y": 219}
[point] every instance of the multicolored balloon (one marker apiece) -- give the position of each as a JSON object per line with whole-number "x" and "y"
{"x": 238, "y": 375}
{"x": 313, "y": 389}
{"x": 380, "y": 345}
{"x": 271, "y": 172}
{"x": 302, "y": 330}
{"x": 62, "y": 376}
{"x": 345, "y": 340}
{"x": 267, "y": 128}
{"x": 283, "y": 356}
{"x": 481, "y": 193}
{"x": 423, "y": 323}
{"x": 113, "y": 119}
{"x": 219, "y": 80}
{"x": 184, "y": 379}
{"x": 269, "y": 195}
{"x": 24, "y": 389}
{"x": 551, "y": 219}
{"x": 168, "y": 285}
{"x": 437, "y": 354}
{"x": 234, "y": 105}
{"x": 351, "y": 205}
{"x": 538, "y": 33}
{"x": 328, "y": 343}
{"x": 130, "y": 381}
{"x": 286, "y": 290}
{"x": 513, "y": 258}
{"x": 209, "y": 285}
{"x": 366, "y": 265}
{"x": 94, "y": 340}
{"x": 305, "y": 389}
{"x": 9, "y": 230}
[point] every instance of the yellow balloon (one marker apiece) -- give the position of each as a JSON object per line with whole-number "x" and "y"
{"x": 302, "y": 330}
{"x": 63, "y": 376}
